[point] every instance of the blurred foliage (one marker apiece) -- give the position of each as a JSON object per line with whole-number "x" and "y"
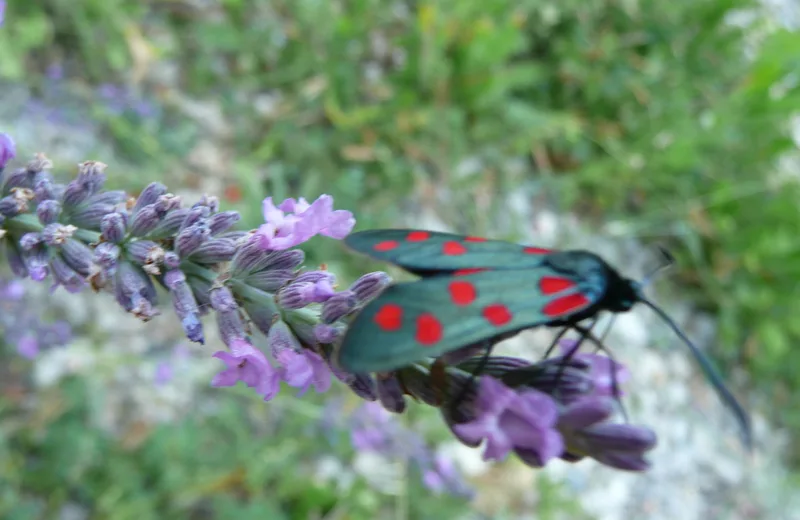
{"x": 643, "y": 111}
{"x": 218, "y": 463}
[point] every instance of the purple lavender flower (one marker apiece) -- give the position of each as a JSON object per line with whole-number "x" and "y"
{"x": 509, "y": 420}
{"x": 603, "y": 371}
{"x": 8, "y": 150}
{"x": 301, "y": 368}
{"x": 294, "y": 222}
{"x": 247, "y": 364}
{"x": 587, "y": 431}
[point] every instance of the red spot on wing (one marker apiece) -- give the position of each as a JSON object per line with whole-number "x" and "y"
{"x": 497, "y": 314}
{"x": 565, "y": 305}
{"x": 418, "y": 236}
{"x": 536, "y": 250}
{"x": 462, "y": 293}
{"x": 454, "y": 248}
{"x": 429, "y": 329}
{"x": 389, "y": 317}
{"x": 469, "y": 270}
{"x": 474, "y": 239}
{"x": 386, "y": 245}
{"x": 554, "y": 284}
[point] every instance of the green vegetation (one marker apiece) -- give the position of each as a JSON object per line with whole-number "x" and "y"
{"x": 212, "y": 465}
{"x": 642, "y": 111}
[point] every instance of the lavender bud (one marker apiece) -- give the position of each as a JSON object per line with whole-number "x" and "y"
{"x": 56, "y": 234}
{"x": 208, "y": 201}
{"x": 228, "y": 319}
{"x": 363, "y": 385}
{"x": 269, "y": 280}
{"x": 169, "y": 225}
{"x": 315, "y": 276}
{"x": 90, "y": 179}
{"x": 106, "y": 255}
{"x": 190, "y": 238}
{"x": 28, "y": 177}
{"x": 134, "y": 290}
{"x": 214, "y": 251}
{"x": 48, "y": 211}
{"x": 148, "y": 254}
{"x": 112, "y": 227}
{"x": 281, "y": 338}
{"x": 144, "y": 221}
{"x": 246, "y": 258}
{"x": 296, "y": 295}
{"x": 240, "y": 237}
{"x": 251, "y": 257}
{"x": 290, "y": 259}
{"x": 185, "y": 305}
{"x": 149, "y": 196}
{"x": 30, "y": 240}
{"x": 65, "y": 275}
{"x": 19, "y": 178}
{"x": 78, "y": 256}
{"x": 90, "y": 215}
{"x": 75, "y": 194}
{"x": 195, "y": 215}
{"x": 390, "y": 393}
{"x": 11, "y": 207}
{"x": 370, "y": 285}
{"x": 8, "y": 150}
{"x": 223, "y": 221}
{"x": 327, "y": 334}
{"x": 46, "y": 190}
{"x": 114, "y": 198}
{"x": 91, "y": 174}
{"x": 16, "y": 261}
{"x": 338, "y": 306}
{"x": 16, "y": 202}
{"x": 172, "y": 260}
{"x": 167, "y": 203}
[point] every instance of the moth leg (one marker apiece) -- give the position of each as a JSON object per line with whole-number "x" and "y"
{"x": 587, "y": 334}
{"x": 555, "y": 342}
{"x": 471, "y": 381}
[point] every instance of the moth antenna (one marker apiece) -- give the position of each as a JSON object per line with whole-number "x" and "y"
{"x": 712, "y": 374}
{"x": 668, "y": 261}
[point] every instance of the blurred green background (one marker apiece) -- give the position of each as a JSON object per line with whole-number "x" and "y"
{"x": 670, "y": 117}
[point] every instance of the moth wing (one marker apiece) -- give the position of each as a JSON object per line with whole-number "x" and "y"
{"x": 432, "y": 252}
{"x": 430, "y": 317}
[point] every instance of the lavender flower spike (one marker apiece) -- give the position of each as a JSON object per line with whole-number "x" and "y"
{"x": 253, "y": 283}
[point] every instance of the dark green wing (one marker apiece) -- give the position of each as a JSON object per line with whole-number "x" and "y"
{"x": 427, "y": 318}
{"x": 431, "y": 252}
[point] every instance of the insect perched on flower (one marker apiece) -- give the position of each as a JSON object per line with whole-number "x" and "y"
{"x": 474, "y": 291}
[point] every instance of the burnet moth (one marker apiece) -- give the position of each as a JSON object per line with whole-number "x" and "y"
{"x": 474, "y": 290}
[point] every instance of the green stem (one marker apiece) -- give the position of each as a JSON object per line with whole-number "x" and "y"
{"x": 25, "y": 223}
{"x": 87, "y": 236}
{"x": 200, "y": 272}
